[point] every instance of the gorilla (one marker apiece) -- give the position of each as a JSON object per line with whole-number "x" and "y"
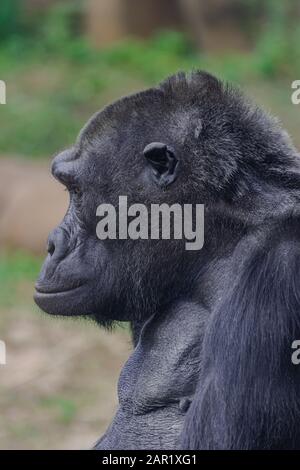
{"x": 212, "y": 328}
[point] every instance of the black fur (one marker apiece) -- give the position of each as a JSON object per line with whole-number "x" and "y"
{"x": 213, "y": 329}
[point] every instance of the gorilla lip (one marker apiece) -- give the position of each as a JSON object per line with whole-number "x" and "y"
{"x": 44, "y": 291}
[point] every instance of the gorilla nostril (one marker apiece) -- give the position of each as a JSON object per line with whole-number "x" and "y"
{"x": 58, "y": 243}
{"x": 51, "y": 247}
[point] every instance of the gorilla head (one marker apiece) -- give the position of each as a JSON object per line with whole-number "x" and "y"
{"x": 190, "y": 140}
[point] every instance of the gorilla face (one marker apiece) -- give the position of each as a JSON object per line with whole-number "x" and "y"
{"x": 114, "y": 156}
{"x": 76, "y": 261}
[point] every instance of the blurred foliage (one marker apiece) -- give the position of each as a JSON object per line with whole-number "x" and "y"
{"x": 57, "y": 80}
{"x": 10, "y": 23}
{"x": 277, "y": 51}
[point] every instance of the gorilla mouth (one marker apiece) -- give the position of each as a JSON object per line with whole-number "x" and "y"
{"x": 48, "y": 290}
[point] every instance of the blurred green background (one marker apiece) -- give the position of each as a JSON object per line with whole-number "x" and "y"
{"x": 62, "y": 61}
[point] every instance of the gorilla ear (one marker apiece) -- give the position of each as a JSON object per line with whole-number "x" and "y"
{"x": 162, "y": 162}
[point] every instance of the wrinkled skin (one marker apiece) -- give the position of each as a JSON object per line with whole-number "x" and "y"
{"x": 203, "y": 321}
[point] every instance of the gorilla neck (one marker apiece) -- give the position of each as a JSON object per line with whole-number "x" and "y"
{"x": 159, "y": 380}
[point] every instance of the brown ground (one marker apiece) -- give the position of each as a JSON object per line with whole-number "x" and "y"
{"x": 58, "y": 389}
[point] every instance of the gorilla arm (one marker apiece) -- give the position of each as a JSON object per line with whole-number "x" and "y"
{"x": 248, "y": 395}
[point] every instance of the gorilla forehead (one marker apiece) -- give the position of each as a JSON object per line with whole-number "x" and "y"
{"x": 168, "y": 104}
{"x": 136, "y": 110}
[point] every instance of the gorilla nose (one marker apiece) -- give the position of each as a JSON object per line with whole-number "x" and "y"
{"x": 57, "y": 243}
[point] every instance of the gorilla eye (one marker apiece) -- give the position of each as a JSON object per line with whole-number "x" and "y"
{"x": 74, "y": 189}
{"x": 77, "y": 191}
